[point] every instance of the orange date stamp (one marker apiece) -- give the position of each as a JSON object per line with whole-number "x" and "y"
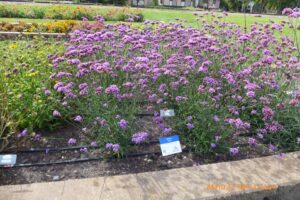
{"x": 241, "y": 187}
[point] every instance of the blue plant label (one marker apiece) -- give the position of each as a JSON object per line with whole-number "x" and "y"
{"x": 170, "y": 145}
{"x": 167, "y": 113}
{"x": 8, "y": 159}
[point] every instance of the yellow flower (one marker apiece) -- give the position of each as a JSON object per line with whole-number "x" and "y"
{"x": 12, "y": 46}
{"x": 33, "y": 74}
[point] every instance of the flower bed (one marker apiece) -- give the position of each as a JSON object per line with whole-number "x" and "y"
{"x": 70, "y": 12}
{"x": 63, "y": 26}
{"x": 223, "y": 84}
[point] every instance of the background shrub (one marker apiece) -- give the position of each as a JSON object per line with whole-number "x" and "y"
{"x": 38, "y": 13}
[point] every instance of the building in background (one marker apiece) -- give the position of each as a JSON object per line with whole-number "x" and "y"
{"x": 181, "y": 3}
{"x": 211, "y": 4}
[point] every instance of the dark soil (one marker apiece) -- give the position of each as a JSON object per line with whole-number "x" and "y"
{"x": 152, "y": 162}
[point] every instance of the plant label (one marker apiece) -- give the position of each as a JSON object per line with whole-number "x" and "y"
{"x": 8, "y": 160}
{"x": 170, "y": 145}
{"x": 167, "y": 113}
{"x": 291, "y": 93}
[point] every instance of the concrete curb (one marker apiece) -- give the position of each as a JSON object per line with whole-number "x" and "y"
{"x": 266, "y": 178}
{"x": 13, "y": 35}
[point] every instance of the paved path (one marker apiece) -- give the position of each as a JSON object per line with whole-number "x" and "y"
{"x": 280, "y": 175}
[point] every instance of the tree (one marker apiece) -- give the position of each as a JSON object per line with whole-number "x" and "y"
{"x": 232, "y": 5}
{"x": 278, "y": 5}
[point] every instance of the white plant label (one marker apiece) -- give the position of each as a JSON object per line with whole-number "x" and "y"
{"x": 170, "y": 145}
{"x": 8, "y": 160}
{"x": 167, "y": 113}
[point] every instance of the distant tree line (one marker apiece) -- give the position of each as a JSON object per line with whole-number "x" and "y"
{"x": 261, "y": 5}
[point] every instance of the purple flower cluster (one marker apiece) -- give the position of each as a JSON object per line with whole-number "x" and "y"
{"x": 123, "y": 124}
{"x": 56, "y": 113}
{"x": 238, "y": 123}
{"x": 190, "y": 125}
{"x": 252, "y": 141}
{"x": 72, "y": 141}
{"x": 23, "y": 133}
{"x": 221, "y": 79}
{"x": 78, "y": 118}
{"x": 233, "y": 151}
{"x": 113, "y": 89}
{"x": 114, "y": 147}
{"x": 294, "y": 13}
{"x": 84, "y": 150}
{"x": 139, "y": 137}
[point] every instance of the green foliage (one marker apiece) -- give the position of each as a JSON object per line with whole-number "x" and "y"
{"x": 224, "y": 5}
{"x": 11, "y": 11}
{"x": 7, "y": 127}
{"x": 232, "y": 5}
{"x": 26, "y": 70}
{"x": 38, "y": 13}
{"x": 278, "y": 4}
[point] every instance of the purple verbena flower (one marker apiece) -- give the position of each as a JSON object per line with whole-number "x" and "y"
{"x": 268, "y": 113}
{"x": 189, "y": 118}
{"x": 123, "y": 124}
{"x": 78, "y": 118}
{"x": 167, "y": 131}
{"x": 272, "y": 147}
{"x": 252, "y": 141}
{"x": 233, "y": 151}
{"x": 72, "y": 141}
{"x": 23, "y": 133}
{"x": 94, "y": 144}
{"x": 83, "y": 150}
{"x": 56, "y": 113}
{"x": 47, "y": 92}
{"x": 139, "y": 137}
{"x": 113, "y": 89}
{"x": 216, "y": 118}
{"x": 37, "y": 137}
{"x": 189, "y": 125}
{"x": 114, "y": 147}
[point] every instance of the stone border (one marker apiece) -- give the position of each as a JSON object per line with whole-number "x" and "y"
{"x": 265, "y": 178}
{"x": 12, "y": 35}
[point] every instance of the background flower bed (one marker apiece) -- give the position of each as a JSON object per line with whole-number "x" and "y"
{"x": 62, "y": 26}
{"x": 70, "y": 12}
